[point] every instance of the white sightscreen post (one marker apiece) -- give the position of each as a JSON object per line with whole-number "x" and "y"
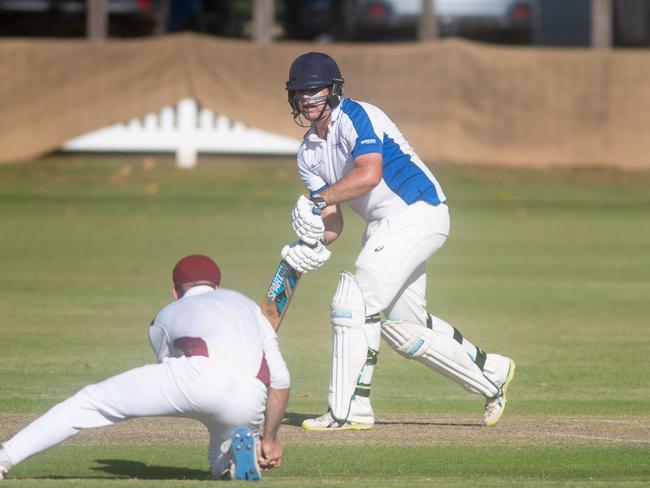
{"x": 186, "y": 121}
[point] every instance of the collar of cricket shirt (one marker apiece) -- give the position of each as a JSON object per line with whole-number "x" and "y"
{"x": 335, "y": 113}
{"x": 311, "y": 135}
{"x": 198, "y": 290}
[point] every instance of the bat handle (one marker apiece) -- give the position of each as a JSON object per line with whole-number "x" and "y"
{"x": 319, "y": 204}
{"x": 313, "y": 246}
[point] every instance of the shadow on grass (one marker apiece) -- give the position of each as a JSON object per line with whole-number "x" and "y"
{"x": 140, "y": 470}
{"x": 296, "y": 419}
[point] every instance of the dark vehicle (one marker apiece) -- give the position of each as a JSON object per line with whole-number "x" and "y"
{"x": 68, "y": 17}
{"x": 308, "y": 19}
{"x": 512, "y": 21}
{"x": 499, "y": 20}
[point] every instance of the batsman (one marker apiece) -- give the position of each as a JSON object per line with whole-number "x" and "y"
{"x": 352, "y": 152}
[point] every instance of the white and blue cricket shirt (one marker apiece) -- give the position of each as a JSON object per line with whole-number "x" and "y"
{"x": 358, "y": 128}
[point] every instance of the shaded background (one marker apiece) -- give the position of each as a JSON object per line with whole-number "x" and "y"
{"x": 497, "y": 100}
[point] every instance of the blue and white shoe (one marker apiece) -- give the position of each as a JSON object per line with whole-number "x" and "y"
{"x": 244, "y": 455}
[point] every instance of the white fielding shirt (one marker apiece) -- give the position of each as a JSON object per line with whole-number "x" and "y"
{"x": 223, "y": 325}
{"x": 358, "y": 128}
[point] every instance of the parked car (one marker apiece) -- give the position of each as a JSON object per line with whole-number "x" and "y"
{"x": 500, "y": 20}
{"x": 68, "y": 17}
{"x": 308, "y": 19}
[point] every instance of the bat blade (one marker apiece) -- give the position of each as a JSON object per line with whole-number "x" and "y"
{"x": 279, "y": 294}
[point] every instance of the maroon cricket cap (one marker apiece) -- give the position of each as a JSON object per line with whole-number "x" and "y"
{"x": 196, "y": 267}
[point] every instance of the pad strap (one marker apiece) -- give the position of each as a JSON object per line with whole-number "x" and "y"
{"x": 365, "y": 378}
{"x": 481, "y": 357}
{"x": 458, "y": 337}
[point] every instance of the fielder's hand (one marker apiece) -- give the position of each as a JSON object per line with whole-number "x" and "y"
{"x": 304, "y": 258}
{"x": 307, "y": 222}
{"x": 270, "y": 455}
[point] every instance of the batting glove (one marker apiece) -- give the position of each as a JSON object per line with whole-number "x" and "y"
{"x": 307, "y": 222}
{"x": 304, "y": 258}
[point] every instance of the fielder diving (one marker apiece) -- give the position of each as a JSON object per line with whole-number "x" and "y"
{"x": 219, "y": 363}
{"x": 352, "y": 152}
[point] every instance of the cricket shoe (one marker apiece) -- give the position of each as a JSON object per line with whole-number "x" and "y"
{"x": 244, "y": 455}
{"x": 495, "y": 406}
{"x": 3, "y": 472}
{"x": 327, "y": 422}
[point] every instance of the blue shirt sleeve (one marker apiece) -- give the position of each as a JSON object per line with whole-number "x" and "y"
{"x": 367, "y": 141}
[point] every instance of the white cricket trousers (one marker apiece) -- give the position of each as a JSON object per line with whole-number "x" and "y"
{"x": 195, "y": 387}
{"x": 391, "y": 272}
{"x": 391, "y": 268}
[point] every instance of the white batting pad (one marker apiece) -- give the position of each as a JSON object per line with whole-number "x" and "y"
{"x": 438, "y": 352}
{"x": 349, "y": 344}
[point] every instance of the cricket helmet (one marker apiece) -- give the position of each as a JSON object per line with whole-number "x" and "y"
{"x": 314, "y": 70}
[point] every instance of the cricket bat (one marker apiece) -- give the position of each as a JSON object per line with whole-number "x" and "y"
{"x": 279, "y": 293}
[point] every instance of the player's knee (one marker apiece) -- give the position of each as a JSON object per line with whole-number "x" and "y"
{"x": 72, "y": 407}
{"x": 376, "y": 297}
{"x": 88, "y": 397}
{"x": 89, "y": 392}
{"x": 414, "y": 314}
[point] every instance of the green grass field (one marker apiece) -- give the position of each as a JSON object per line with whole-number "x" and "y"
{"x": 549, "y": 267}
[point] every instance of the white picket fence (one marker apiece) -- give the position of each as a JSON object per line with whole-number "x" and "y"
{"x": 186, "y": 130}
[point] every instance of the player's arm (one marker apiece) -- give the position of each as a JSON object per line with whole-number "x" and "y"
{"x": 159, "y": 341}
{"x": 333, "y": 220}
{"x": 312, "y": 225}
{"x": 365, "y": 175}
{"x": 271, "y": 450}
